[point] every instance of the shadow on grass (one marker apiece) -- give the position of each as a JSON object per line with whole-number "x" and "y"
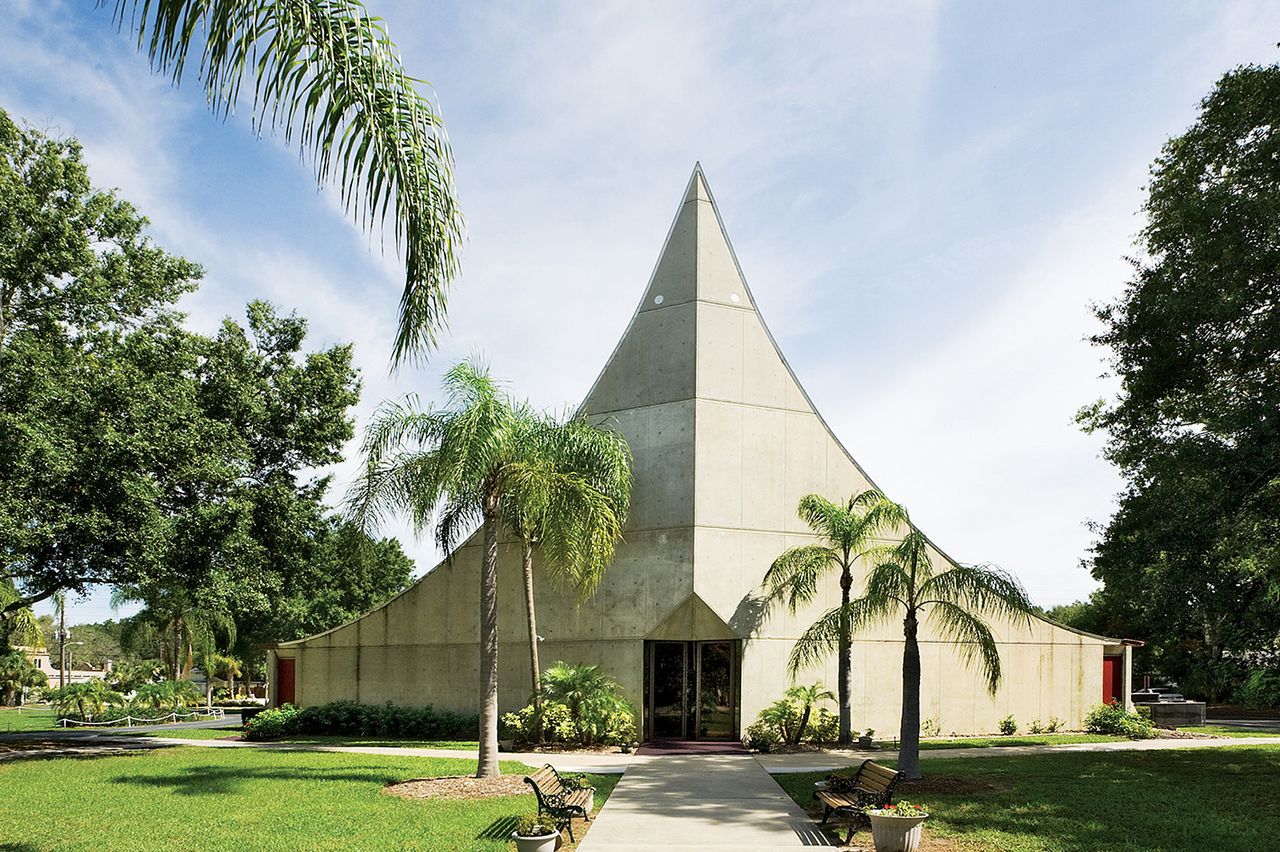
{"x": 213, "y": 780}
{"x": 499, "y": 829}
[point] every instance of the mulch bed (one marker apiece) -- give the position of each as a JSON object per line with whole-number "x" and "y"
{"x": 459, "y": 787}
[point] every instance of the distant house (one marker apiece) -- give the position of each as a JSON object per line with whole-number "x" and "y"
{"x": 725, "y": 442}
{"x": 40, "y": 658}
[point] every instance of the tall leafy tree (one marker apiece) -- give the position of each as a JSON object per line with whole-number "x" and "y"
{"x": 581, "y": 502}
{"x": 327, "y": 75}
{"x": 1190, "y": 560}
{"x": 94, "y": 407}
{"x": 844, "y": 531}
{"x": 902, "y": 581}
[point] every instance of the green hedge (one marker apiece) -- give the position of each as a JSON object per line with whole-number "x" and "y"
{"x": 347, "y": 718}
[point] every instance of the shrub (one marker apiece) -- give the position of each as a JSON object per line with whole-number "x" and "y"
{"x": 1113, "y": 719}
{"x": 84, "y": 701}
{"x": 930, "y": 728}
{"x": 761, "y": 737}
{"x": 1260, "y": 690}
{"x": 824, "y": 727}
{"x": 1054, "y": 724}
{"x": 167, "y": 696}
{"x": 597, "y": 711}
{"x": 797, "y": 718}
{"x": 1035, "y": 727}
{"x": 347, "y": 718}
{"x": 1008, "y": 725}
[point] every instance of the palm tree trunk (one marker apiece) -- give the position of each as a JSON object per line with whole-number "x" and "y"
{"x": 804, "y": 723}
{"x": 487, "y": 766}
{"x": 177, "y": 650}
{"x": 845, "y": 688}
{"x": 535, "y": 669}
{"x": 909, "y": 735}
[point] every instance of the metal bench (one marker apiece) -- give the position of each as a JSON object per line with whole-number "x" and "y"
{"x": 560, "y": 801}
{"x": 872, "y": 787}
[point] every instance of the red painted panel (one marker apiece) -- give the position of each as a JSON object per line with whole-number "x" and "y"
{"x": 1112, "y": 679}
{"x": 284, "y": 681}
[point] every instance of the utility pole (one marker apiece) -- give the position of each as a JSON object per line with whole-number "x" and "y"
{"x": 61, "y": 601}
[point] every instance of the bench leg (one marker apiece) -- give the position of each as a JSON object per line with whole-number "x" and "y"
{"x": 571, "y": 840}
{"x": 826, "y": 812}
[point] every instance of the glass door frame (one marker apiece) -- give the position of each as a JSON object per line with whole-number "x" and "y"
{"x": 691, "y": 676}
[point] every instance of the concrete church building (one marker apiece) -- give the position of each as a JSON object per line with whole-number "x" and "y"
{"x": 725, "y": 443}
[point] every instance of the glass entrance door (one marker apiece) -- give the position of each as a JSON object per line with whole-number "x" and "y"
{"x": 668, "y": 687}
{"x": 716, "y": 690}
{"x": 691, "y": 690}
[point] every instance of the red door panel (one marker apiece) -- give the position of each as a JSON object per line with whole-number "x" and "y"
{"x": 284, "y": 681}
{"x": 1112, "y": 679}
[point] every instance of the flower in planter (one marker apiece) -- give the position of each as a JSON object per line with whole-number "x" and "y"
{"x": 901, "y": 809}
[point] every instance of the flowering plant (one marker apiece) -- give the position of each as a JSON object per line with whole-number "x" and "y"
{"x": 901, "y": 809}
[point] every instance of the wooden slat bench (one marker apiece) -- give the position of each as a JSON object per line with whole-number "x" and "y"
{"x": 872, "y": 788}
{"x": 558, "y": 801}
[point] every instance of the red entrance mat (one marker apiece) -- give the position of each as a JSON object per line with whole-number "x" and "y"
{"x": 689, "y": 747}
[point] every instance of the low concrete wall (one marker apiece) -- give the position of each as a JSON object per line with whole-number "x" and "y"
{"x": 1175, "y": 714}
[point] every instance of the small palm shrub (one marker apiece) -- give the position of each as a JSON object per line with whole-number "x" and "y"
{"x": 1054, "y": 725}
{"x": 167, "y": 696}
{"x": 930, "y": 728}
{"x": 581, "y": 705}
{"x": 1113, "y": 719}
{"x": 1009, "y": 726}
{"x": 347, "y": 718}
{"x": 1036, "y": 727}
{"x": 797, "y": 718}
{"x": 84, "y": 701}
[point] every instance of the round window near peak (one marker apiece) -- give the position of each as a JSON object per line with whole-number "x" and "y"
{"x": 735, "y": 298}
{"x": 658, "y": 300}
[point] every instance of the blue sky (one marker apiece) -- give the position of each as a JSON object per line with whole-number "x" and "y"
{"x": 925, "y": 199}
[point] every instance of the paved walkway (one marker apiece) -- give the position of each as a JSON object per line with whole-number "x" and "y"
{"x": 714, "y": 801}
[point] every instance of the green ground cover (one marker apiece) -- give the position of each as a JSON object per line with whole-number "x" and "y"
{"x": 181, "y": 798}
{"x": 14, "y": 719}
{"x": 1028, "y": 740}
{"x": 1139, "y": 801}
{"x": 1228, "y": 731}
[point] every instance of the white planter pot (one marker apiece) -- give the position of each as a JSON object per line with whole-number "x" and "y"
{"x": 545, "y": 843}
{"x": 896, "y": 833}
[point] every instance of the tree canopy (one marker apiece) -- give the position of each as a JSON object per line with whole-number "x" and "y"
{"x": 1191, "y": 559}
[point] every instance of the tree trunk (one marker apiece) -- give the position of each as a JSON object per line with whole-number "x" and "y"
{"x": 845, "y": 688}
{"x": 535, "y": 668}
{"x": 804, "y": 723}
{"x": 177, "y": 650}
{"x": 62, "y": 643}
{"x": 487, "y": 766}
{"x": 909, "y": 736}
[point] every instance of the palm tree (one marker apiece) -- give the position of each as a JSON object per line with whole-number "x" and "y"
{"x": 19, "y": 626}
{"x": 326, "y": 73}
{"x": 17, "y": 675}
{"x": 902, "y": 580}
{"x": 458, "y": 466}
{"x": 582, "y": 500}
{"x": 795, "y": 576}
{"x": 807, "y": 697}
{"x": 179, "y": 622}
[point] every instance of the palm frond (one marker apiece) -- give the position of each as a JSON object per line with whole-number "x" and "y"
{"x": 326, "y": 74}
{"x": 981, "y": 588}
{"x": 794, "y": 575}
{"x": 823, "y": 636}
{"x": 971, "y": 638}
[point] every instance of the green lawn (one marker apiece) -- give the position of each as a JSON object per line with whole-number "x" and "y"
{"x": 182, "y": 798}
{"x": 1221, "y": 799}
{"x": 1227, "y": 731}
{"x": 26, "y": 719}
{"x": 1027, "y": 740}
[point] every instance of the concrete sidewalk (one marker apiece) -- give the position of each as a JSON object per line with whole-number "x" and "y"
{"x": 718, "y": 801}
